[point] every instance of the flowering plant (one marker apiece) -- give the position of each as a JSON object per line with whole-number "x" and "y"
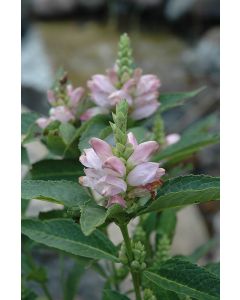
{"x": 107, "y": 164}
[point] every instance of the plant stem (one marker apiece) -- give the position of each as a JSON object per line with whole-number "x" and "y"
{"x": 135, "y": 275}
{"x": 46, "y": 291}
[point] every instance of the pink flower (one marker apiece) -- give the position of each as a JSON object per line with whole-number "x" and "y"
{"x": 111, "y": 176}
{"x": 65, "y": 105}
{"x": 61, "y": 113}
{"x": 43, "y": 122}
{"x": 140, "y": 91}
{"x": 172, "y": 139}
{"x": 116, "y": 200}
{"x": 74, "y": 95}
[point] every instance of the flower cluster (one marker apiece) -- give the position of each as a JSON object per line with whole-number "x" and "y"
{"x": 141, "y": 92}
{"x": 122, "y": 172}
{"x": 65, "y": 101}
{"x": 123, "y": 82}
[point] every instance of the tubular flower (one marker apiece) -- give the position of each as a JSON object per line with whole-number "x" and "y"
{"x": 65, "y": 102}
{"x": 140, "y": 91}
{"x": 119, "y": 179}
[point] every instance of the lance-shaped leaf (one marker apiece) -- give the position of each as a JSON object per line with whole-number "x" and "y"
{"x": 187, "y": 145}
{"x": 54, "y": 169}
{"x": 171, "y": 100}
{"x": 66, "y": 235}
{"x": 63, "y": 192}
{"x": 185, "y": 190}
{"x": 110, "y": 295}
{"x": 183, "y": 277}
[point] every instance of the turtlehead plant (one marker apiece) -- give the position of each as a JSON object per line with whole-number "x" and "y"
{"x": 114, "y": 165}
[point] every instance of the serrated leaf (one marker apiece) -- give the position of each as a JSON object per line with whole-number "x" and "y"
{"x": 67, "y": 132}
{"x": 92, "y": 216}
{"x": 110, "y": 295}
{"x": 63, "y": 192}
{"x": 54, "y": 169}
{"x": 66, "y": 235}
{"x": 183, "y": 277}
{"x": 184, "y": 190}
{"x": 171, "y": 100}
{"x": 186, "y": 146}
{"x": 214, "y": 268}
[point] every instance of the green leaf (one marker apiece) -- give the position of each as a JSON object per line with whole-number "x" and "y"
{"x": 50, "y": 169}
{"x": 202, "y": 250}
{"x": 186, "y": 146}
{"x": 167, "y": 223}
{"x": 183, "y": 277}
{"x": 202, "y": 126}
{"x": 93, "y": 129}
{"x": 29, "y": 128}
{"x": 184, "y": 190}
{"x": 66, "y": 235}
{"x": 110, "y": 295}
{"x": 171, "y": 100}
{"x": 72, "y": 281}
{"x": 67, "y": 132}
{"x": 92, "y": 216}
{"x": 214, "y": 268}
{"x": 24, "y": 156}
{"x": 24, "y": 206}
{"x": 27, "y": 120}
{"x": 63, "y": 192}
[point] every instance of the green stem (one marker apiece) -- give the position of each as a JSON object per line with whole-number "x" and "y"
{"x": 135, "y": 275}
{"x": 46, "y": 291}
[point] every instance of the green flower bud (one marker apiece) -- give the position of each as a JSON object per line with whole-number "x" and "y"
{"x": 125, "y": 59}
{"x": 163, "y": 249}
{"x": 158, "y": 130}
{"x": 148, "y": 295}
{"x": 135, "y": 265}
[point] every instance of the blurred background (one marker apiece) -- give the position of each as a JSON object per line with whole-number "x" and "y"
{"x": 178, "y": 40}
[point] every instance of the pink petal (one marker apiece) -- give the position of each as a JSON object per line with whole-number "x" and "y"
{"x": 115, "y": 164}
{"x": 61, "y": 113}
{"x": 110, "y": 186}
{"x": 100, "y": 98}
{"x": 102, "y": 149}
{"x": 76, "y": 95}
{"x": 43, "y": 122}
{"x": 142, "y": 152}
{"x": 143, "y": 174}
{"x": 132, "y": 140}
{"x": 116, "y": 200}
{"x": 112, "y": 75}
{"x": 145, "y": 111}
{"x": 101, "y": 83}
{"x": 148, "y": 83}
{"x": 90, "y": 159}
{"x": 91, "y": 112}
{"x": 119, "y": 95}
{"x": 51, "y": 97}
{"x": 172, "y": 138}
